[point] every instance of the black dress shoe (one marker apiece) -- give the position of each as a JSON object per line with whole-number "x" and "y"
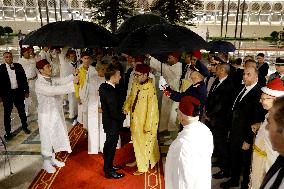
{"x": 9, "y": 136}
{"x": 230, "y": 183}
{"x": 114, "y": 175}
{"x": 220, "y": 175}
{"x": 26, "y": 130}
{"x": 116, "y": 168}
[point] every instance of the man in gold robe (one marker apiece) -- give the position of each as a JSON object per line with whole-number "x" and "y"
{"x": 142, "y": 104}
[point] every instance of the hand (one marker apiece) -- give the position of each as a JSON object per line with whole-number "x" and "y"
{"x": 167, "y": 93}
{"x": 245, "y": 146}
{"x": 162, "y": 83}
{"x": 76, "y": 72}
{"x": 76, "y": 80}
{"x": 125, "y": 112}
{"x": 100, "y": 110}
{"x": 255, "y": 127}
{"x": 27, "y": 95}
{"x": 79, "y": 101}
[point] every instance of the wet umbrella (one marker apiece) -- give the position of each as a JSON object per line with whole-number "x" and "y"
{"x": 161, "y": 39}
{"x": 138, "y": 21}
{"x": 221, "y": 46}
{"x": 72, "y": 33}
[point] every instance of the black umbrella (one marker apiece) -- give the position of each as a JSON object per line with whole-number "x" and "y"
{"x": 72, "y": 33}
{"x": 160, "y": 39}
{"x": 221, "y": 46}
{"x": 138, "y": 21}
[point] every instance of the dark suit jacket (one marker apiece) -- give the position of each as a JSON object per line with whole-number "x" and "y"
{"x": 219, "y": 103}
{"x": 197, "y": 90}
{"x": 112, "y": 115}
{"x": 262, "y": 73}
{"x": 5, "y": 86}
{"x": 245, "y": 113}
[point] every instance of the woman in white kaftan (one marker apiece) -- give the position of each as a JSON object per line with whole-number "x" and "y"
{"x": 263, "y": 154}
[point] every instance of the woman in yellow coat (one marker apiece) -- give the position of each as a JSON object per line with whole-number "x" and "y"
{"x": 142, "y": 104}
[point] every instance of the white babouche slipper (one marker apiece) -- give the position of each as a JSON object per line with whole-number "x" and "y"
{"x": 47, "y": 165}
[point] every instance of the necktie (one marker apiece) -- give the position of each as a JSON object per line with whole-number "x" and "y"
{"x": 12, "y": 67}
{"x": 215, "y": 84}
{"x": 238, "y": 99}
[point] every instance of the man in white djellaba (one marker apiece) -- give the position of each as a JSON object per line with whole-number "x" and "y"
{"x": 188, "y": 162}
{"x": 68, "y": 62}
{"x": 29, "y": 65}
{"x": 172, "y": 73}
{"x": 51, "y": 121}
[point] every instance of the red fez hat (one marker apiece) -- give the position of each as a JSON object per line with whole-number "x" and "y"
{"x": 274, "y": 88}
{"x": 142, "y": 68}
{"x": 25, "y": 49}
{"x": 140, "y": 59}
{"x": 189, "y": 106}
{"x": 174, "y": 54}
{"x": 40, "y": 64}
{"x": 196, "y": 54}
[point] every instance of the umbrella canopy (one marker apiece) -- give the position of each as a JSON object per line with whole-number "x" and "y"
{"x": 72, "y": 33}
{"x": 138, "y": 21}
{"x": 161, "y": 38}
{"x": 221, "y": 46}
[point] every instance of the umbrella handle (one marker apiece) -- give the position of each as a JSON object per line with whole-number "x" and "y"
{"x": 161, "y": 69}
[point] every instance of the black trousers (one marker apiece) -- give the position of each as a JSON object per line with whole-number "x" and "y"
{"x": 240, "y": 162}
{"x": 220, "y": 136}
{"x": 16, "y": 98}
{"x": 109, "y": 151}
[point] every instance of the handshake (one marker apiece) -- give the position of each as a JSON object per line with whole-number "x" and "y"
{"x": 163, "y": 86}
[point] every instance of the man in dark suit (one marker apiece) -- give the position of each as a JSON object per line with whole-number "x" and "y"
{"x": 246, "y": 111}
{"x": 219, "y": 103}
{"x": 263, "y": 68}
{"x": 14, "y": 89}
{"x": 112, "y": 117}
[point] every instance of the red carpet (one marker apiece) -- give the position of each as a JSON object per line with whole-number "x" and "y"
{"x": 86, "y": 171}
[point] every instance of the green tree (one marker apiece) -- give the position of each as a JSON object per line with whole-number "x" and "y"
{"x": 8, "y": 30}
{"x": 175, "y": 11}
{"x": 274, "y": 35}
{"x": 2, "y": 31}
{"x": 110, "y": 11}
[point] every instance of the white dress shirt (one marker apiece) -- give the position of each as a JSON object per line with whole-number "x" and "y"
{"x": 12, "y": 77}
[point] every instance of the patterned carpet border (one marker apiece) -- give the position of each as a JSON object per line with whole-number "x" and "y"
{"x": 153, "y": 178}
{"x": 44, "y": 180}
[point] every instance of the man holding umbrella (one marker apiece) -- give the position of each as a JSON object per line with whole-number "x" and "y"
{"x": 172, "y": 72}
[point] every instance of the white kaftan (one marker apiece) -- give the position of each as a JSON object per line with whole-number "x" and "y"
{"x": 51, "y": 120}
{"x": 29, "y": 66}
{"x": 168, "y": 113}
{"x": 188, "y": 162}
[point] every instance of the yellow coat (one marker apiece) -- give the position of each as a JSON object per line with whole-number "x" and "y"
{"x": 144, "y": 117}
{"x": 82, "y": 76}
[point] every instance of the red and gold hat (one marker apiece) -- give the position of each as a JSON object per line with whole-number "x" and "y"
{"x": 196, "y": 54}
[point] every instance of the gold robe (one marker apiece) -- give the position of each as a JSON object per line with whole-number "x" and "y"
{"x": 142, "y": 104}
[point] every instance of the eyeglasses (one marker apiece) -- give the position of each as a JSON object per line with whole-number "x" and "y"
{"x": 263, "y": 99}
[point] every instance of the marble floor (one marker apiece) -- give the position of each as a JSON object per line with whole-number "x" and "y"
{"x": 24, "y": 154}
